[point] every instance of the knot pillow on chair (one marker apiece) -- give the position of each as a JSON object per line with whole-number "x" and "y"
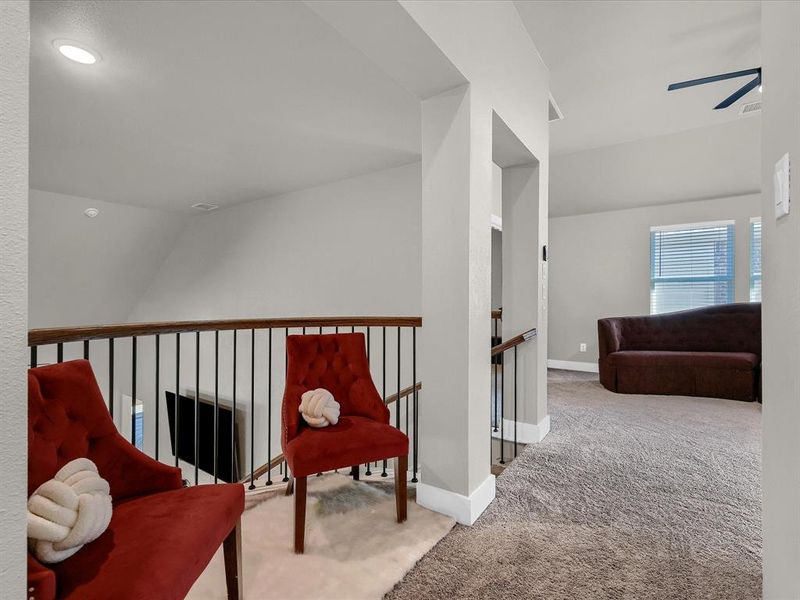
{"x": 68, "y": 511}
{"x": 318, "y": 408}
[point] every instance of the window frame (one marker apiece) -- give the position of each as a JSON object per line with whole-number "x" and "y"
{"x": 750, "y": 262}
{"x": 730, "y": 277}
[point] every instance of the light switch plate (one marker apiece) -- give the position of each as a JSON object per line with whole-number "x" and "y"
{"x": 782, "y": 185}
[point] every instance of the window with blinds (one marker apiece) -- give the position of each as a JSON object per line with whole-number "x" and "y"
{"x": 691, "y": 266}
{"x": 755, "y": 260}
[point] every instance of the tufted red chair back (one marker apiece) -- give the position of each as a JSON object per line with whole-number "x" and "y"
{"x": 337, "y": 362}
{"x": 68, "y": 419}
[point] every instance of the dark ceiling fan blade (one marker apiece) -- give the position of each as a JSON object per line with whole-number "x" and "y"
{"x": 739, "y": 93}
{"x": 713, "y": 78}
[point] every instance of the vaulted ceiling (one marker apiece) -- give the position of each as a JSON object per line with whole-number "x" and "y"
{"x": 216, "y": 102}
{"x": 610, "y": 64}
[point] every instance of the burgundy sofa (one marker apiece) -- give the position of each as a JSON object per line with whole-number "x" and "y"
{"x": 713, "y": 352}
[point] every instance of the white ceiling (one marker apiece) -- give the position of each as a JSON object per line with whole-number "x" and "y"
{"x": 610, "y": 64}
{"x": 220, "y": 102}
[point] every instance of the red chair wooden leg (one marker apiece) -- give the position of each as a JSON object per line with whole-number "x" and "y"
{"x": 401, "y": 487}
{"x": 232, "y": 551}
{"x": 299, "y": 514}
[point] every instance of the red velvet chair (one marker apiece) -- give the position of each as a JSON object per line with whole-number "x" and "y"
{"x": 338, "y": 363}
{"x": 161, "y": 536}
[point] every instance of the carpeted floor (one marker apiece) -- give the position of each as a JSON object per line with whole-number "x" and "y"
{"x": 640, "y": 497}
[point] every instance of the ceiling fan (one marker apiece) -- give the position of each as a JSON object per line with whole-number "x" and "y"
{"x": 748, "y": 87}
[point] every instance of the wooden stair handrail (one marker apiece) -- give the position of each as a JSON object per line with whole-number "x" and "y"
{"x": 59, "y": 335}
{"x": 514, "y": 341}
{"x": 405, "y": 392}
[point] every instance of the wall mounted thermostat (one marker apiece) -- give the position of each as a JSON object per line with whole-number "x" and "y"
{"x": 782, "y": 180}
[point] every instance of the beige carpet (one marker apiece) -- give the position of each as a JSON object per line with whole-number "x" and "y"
{"x": 640, "y": 497}
{"x": 354, "y": 547}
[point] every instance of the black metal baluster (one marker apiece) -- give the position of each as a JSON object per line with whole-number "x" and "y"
{"x": 34, "y": 356}
{"x": 216, "y": 404}
{"x": 111, "y": 377}
{"x": 515, "y": 402}
{"x": 286, "y": 356}
{"x": 383, "y": 358}
{"x": 416, "y": 404}
{"x": 60, "y": 352}
{"x": 234, "y": 474}
{"x": 176, "y": 426}
{"x": 337, "y": 329}
{"x": 320, "y": 329}
{"x": 196, "y": 407}
{"x": 286, "y": 382}
{"x": 502, "y": 410}
{"x": 397, "y": 407}
{"x": 353, "y": 329}
{"x": 368, "y": 472}
{"x": 269, "y": 409}
{"x": 158, "y": 400}
{"x": 134, "y": 344}
{"x": 494, "y": 366}
{"x": 252, "y": 485}
{"x": 304, "y": 330}
{"x": 85, "y": 349}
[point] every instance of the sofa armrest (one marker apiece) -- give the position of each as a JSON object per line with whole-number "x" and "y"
{"x": 609, "y": 337}
{"x": 291, "y": 421}
{"x": 609, "y": 340}
{"x": 132, "y": 473}
{"x": 41, "y": 580}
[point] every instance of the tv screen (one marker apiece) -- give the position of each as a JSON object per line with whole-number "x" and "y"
{"x": 227, "y": 453}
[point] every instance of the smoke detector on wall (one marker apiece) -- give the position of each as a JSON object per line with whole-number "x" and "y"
{"x": 204, "y": 206}
{"x": 750, "y": 108}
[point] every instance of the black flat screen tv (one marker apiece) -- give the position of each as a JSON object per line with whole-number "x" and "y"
{"x": 228, "y": 466}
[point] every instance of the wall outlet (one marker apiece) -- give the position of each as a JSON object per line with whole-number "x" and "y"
{"x": 583, "y": 347}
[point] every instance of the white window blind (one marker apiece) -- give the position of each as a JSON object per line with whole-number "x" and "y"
{"x": 755, "y": 260}
{"x": 691, "y": 266}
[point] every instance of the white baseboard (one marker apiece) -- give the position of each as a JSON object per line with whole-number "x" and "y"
{"x": 572, "y": 365}
{"x": 464, "y": 509}
{"x": 527, "y": 433}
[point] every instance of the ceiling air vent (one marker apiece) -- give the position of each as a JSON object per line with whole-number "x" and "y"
{"x": 205, "y": 207}
{"x": 750, "y": 108}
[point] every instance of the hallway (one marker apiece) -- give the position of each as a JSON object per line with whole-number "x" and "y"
{"x": 628, "y": 496}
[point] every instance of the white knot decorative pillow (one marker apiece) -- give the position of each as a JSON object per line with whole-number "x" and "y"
{"x": 68, "y": 511}
{"x": 318, "y": 408}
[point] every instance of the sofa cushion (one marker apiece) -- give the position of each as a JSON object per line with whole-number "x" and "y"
{"x": 353, "y": 440}
{"x": 741, "y": 361}
{"x": 155, "y": 547}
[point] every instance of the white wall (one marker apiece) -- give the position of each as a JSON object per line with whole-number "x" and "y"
{"x": 346, "y": 248}
{"x": 600, "y": 265}
{"x": 92, "y": 271}
{"x": 488, "y": 44}
{"x": 712, "y": 162}
{"x": 14, "y": 28}
{"x": 497, "y": 269}
{"x": 780, "y": 49}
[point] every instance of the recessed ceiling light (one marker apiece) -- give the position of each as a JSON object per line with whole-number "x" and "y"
{"x": 91, "y": 212}
{"x": 205, "y": 206}
{"x": 79, "y": 54}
